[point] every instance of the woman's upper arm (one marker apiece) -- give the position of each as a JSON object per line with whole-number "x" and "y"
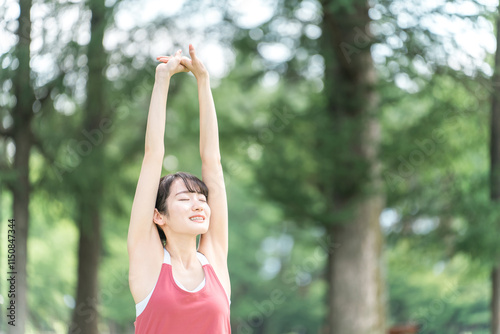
{"x": 144, "y": 245}
{"x": 141, "y": 216}
{"x": 215, "y": 241}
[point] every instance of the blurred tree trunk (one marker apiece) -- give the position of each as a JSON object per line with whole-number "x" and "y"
{"x": 23, "y": 140}
{"x": 87, "y": 179}
{"x": 495, "y": 300}
{"x": 495, "y": 179}
{"x": 356, "y": 287}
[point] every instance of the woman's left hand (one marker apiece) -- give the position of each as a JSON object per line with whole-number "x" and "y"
{"x": 171, "y": 64}
{"x": 194, "y": 64}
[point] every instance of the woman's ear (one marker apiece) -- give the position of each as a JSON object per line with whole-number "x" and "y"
{"x": 158, "y": 218}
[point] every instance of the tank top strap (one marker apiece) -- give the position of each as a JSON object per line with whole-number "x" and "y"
{"x": 166, "y": 257}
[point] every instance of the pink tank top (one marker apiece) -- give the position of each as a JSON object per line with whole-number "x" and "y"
{"x": 172, "y": 310}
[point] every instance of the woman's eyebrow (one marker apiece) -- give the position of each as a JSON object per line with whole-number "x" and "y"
{"x": 185, "y": 191}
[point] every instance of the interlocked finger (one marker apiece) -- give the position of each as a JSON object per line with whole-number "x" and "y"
{"x": 164, "y": 59}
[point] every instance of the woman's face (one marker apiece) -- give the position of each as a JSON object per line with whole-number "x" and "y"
{"x": 183, "y": 205}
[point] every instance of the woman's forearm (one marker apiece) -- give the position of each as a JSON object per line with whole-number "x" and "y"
{"x": 209, "y": 132}
{"x": 155, "y": 129}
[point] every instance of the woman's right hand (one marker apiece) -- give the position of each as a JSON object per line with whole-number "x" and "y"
{"x": 194, "y": 64}
{"x": 170, "y": 65}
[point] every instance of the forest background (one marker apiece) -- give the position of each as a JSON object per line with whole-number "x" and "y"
{"x": 358, "y": 140}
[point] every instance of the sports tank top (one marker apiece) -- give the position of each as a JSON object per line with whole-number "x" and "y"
{"x": 173, "y": 310}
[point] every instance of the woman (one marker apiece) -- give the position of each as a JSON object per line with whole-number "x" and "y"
{"x": 177, "y": 288}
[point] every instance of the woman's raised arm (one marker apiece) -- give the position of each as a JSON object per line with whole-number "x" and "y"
{"x": 215, "y": 242}
{"x": 141, "y": 226}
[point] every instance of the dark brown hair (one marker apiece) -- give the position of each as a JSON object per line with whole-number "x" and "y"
{"x": 192, "y": 183}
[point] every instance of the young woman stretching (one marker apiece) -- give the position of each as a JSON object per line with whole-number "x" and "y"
{"x": 177, "y": 288}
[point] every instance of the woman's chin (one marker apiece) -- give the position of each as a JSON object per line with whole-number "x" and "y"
{"x": 200, "y": 228}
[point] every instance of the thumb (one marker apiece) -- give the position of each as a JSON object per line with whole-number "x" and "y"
{"x": 191, "y": 51}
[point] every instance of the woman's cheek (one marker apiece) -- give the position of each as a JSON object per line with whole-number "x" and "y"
{"x": 180, "y": 205}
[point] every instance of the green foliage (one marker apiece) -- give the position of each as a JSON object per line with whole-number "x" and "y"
{"x": 443, "y": 296}
{"x": 282, "y": 165}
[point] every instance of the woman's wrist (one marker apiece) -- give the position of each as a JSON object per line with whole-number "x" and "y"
{"x": 203, "y": 78}
{"x": 162, "y": 74}
{"x": 162, "y": 80}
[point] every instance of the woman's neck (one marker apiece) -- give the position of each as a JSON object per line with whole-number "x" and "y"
{"x": 182, "y": 250}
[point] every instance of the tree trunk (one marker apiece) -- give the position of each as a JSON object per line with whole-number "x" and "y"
{"x": 88, "y": 179}
{"x": 85, "y": 315}
{"x": 356, "y": 293}
{"x": 495, "y": 179}
{"x": 23, "y": 139}
{"x": 495, "y": 300}
{"x": 356, "y": 286}
{"x": 21, "y": 191}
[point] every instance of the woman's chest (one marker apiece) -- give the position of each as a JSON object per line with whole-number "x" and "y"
{"x": 189, "y": 279}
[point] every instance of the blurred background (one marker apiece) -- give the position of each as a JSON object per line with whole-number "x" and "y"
{"x": 359, "y": 142}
